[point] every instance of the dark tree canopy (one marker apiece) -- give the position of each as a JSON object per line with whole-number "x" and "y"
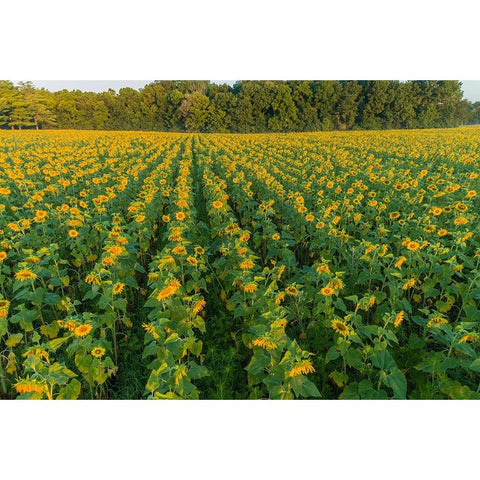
{"x": 246, "y": 107}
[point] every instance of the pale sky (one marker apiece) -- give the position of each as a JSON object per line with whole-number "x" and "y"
{"x": 471, "y": 88}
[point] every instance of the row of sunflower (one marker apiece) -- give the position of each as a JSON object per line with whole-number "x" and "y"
{"x": 386, "y": 270}
{"x": 366, "y": 245}
{"x": 176, "y": 302}
{"x": 251, "y": 294}
{"x": 49, "y": 332}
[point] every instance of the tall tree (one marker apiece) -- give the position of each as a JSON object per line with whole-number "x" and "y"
{"x": 39, "y": 105}
{"x": 194, "y": 110}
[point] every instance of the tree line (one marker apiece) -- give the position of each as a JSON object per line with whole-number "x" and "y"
{"x": 245, "y": 107}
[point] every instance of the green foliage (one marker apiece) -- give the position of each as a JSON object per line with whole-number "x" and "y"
{"x": 247, "y": 107}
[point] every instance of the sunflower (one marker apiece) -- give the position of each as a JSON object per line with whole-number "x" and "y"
{"x": 327, "y": 291}
{"x": 3, "y": 256}
{"x": 25, "y": 275}
{"x": 180, "y": 216}
{"x": 265, "y": 343}
{"x": 83, "y": 330}
{"x": 116, "y": 251}
{"x": 29, "y": 386}
{"x": 247, "y": 265}
{"x": 118, "y": 288}
{"x": 303, "y": 368}
{"x": 72, "y": 233}
{"x": 469, "y": 337}
{"x": 340, "y": 327}
{"x": 323, "y": 268}
{"x": 151, "y": 330}
{"x": 169, "y": 290}
{"x": 399, "y": 317}
{"x": 179, "y": 250}
{"x": 198, "y": 307}
{"x": 70, "y": 325}
{"x": 409, "y": 283}
{"x": 279, "y": 298}
{"x": 4, "y": 303}
{"x": 413, "y": 246}
{"x": 192, "y": 261}
{"x": 460, "y": 221}
{"x": 292, "y": 290}
{"x": 250, "y": 287}
{"x": 437, "y": 321}
{"x": 108, "y": 261}
{"x": 217, "y": 204}
{"x": 400, "y": 261}
{"x": 98, "y": 352}
{"x": 275, "y": 236}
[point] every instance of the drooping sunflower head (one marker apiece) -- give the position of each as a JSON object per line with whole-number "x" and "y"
{"x": 25, "y": 275}
{"x": 340, "y": 327}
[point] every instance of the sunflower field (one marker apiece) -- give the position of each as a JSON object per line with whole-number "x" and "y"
{"x": 218, "y": 266}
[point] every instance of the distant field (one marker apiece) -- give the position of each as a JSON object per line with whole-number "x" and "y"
{"x": 322, "y": 265}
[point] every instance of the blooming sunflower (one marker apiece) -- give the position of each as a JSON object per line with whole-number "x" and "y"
{"x": 340, "y": 327}
{"x": 327, "y": 291}
{"x": 83, "y": 330}
{"x": 413, "y": 246}
{"x": 98, "y": 352}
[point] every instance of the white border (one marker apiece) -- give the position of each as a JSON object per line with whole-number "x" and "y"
{"x": 252, "y": 39}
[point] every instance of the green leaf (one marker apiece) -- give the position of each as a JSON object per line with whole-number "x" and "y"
{"x": 71, "y": 391}
{"x": 340, "y": 304}
{"x": 308, "y": 389}
{"x": 383, "y": 360}
{"x": 398, "y": 383}
{"x": 197, "y": 371}
{"x": 475, "y": 365}
{"x": 339, "y": 378}
{"x": 51, "y": 330}
{"x": 350, "y": 392}
{"x": 367, "y": 392}
{"x": 3, "y": 326}
{"x": 332, "y": 354}
{"x": 14, "y": 340}
{"x": 56, "y": 343}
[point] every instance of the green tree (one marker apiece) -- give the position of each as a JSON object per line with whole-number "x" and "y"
{"x": 39, "y": 105}
{"x": 195, "y": 112}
